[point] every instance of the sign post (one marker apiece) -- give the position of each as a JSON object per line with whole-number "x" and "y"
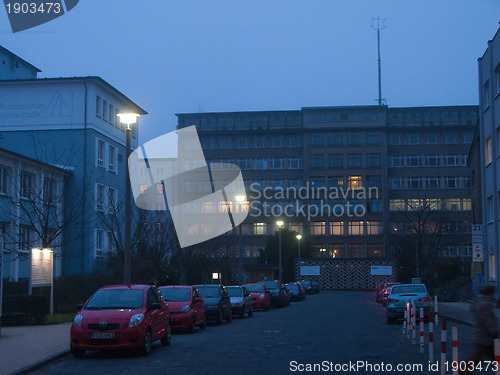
{"x": 42, "y": 272}
{"x": 477, "y": 268}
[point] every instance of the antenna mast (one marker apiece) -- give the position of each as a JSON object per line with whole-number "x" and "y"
{"x": 379, "y": 24}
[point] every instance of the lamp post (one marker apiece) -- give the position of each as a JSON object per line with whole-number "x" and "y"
{"x": 240, "y": 199}
{"x": 279, "y": 223}
{"x": 128, "y": 119}
{"x": 299, "y": 236}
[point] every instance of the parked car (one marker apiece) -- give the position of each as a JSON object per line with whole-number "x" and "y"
{"x": 302, "y": 287}
{"x": 287, "y": 294}
{"x": 308, "y": 286}
{"x": 315, "y": 285}
{"x": 382, "y": 291}
{"x": 277, "y": 293}
{"x": 400, "y": 294}
{"x": 296, "y": 292}
{"x": 241, "y": 300}
{"x": 186, "y": 306}
{"x": 260, "y": 295}
{"x": 121, "y": 317}
{"x": 387, "y": 291}
{"x": 217, "y": 302}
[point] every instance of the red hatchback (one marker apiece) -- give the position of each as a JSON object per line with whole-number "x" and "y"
{"x": 121, "y": 317}
{"x": 186, "y": 306}
{"x": 260, "y": 295}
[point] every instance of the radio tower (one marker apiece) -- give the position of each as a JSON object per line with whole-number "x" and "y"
{"x": 379, "y": 24}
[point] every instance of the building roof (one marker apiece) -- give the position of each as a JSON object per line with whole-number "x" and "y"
{"x": 96, "y": 79}
{"x": 24, "y": 62}
{"x": 18, "y": 155}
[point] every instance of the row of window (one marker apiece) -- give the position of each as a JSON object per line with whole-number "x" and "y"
{"x": 227, "y": 122}
{"x": 448, "y": 160}
{"x": 434, "y": 138}
{"x": 416, "y": 204}
{"x": 372, "y": 160}
{"x": 351, "y": 250}
{"x": 345, "y": 139}
{"x": 257, "y": 141}
{"x": 109, "y": 113}
{"x": 344, "y": 116}
{"x": 451, "y": 182}
{"x": 106, "y": 156}
{"x": 27, "y": 190}
{"x": 435, "y": 116}
{"x": 338, "y": 182}
{"x": 450, "y": 227}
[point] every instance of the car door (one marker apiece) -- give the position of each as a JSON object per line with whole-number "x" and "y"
{"x": 197, "y": 306}
{"x": 164, "y": 314}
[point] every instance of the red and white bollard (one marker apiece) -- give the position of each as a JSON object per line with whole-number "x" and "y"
{"x": 431, "y": 337}
{"x": 443, "y": 347}
{"x": 436, "y": 317}
{"x": 497, "y": 355}
{"x": 408, "y": 321}
{"x": 454, "y": 349}
{"x": 413, "y": 323}
{"x": 421, "y": 330}
{"x": 405, "y": 318}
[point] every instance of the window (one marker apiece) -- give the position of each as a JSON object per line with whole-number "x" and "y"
{"x": 334, "y": 139}
{"x": 373, "y": 182}
{"x": 259, "y": 142}
{"x": 354, "y": 160}
{"x": 354, "y": 139}
{"x": 277, "y": 163}
{"x": 111, "y": 114}
{"x": 243, "y": 164}
{"x": 486, "y": 95}
{"x": 207, "y": 143}
{"x": 450, "y": 137}
{"x": 337, "y": 228}
{"x": 354, "y": 182}
{"x": 112, "y": 198}
{"x": 432, "y": 160}
{"x": 373, "y": 228}
{"x": 317, "y": 139}
{"x": 242, "y": 142}
{"x": 467, "y": 204}
{"x": 294, "y": 141}
{"x": 451, "y": 182}
{"x": 3, "y": 180}
{"x": 317, "y": 182}
{"x": 277, "y": 141}
{"x": 104, "y": 110}
{"x": 258, "y": 185}
{"x": 467, "y": 182}
{"x": 467, "y": 137}
{"x": 414, "y": 204}
{"x": 396, "y": 161}
{"x": 100, "y": 194}
{"x": 99, "y": 243}
{"x": 497, "y": 79}
{"x": 143, "y": 189}
{"x": 356, "y": 250}
{"x": 317, "y": 161}
{"x": 25, "y": 234}
{"x": 294, "y": 183}
{"x": 100, "y": 153}
{"x": 159, "y": 189}
{"x": 277, "y": 184}
{"x": 434, "y": 204}
{"x": 318, "y": 228}
{"x": 464, "y": 160}
{"x": 259, "y": 228}
{"x": 395, "y": 139}
{"x": 112, "y": 159}
{"x": 433, "y": 182}
{"x": 335, "y": 160}
{"x": 294, "y": 163}
{"x": 452, "y": 204}
{"x": 450, "y": 160}
{"x": 336, "y": 182}
{"x": 396, "y": 183}
{"x": 397, "y": 205}
{"x": 414, "y": 161}
{"x": 355, "y": 228}
{"x": 259, "y": 163}
{"x": 413, "y": 139}
{"x": 373, "y": 138}
{"x": 414, "y": 182}
{"x": 373, "y": 160}
{"x": 26, "y": 185}
{"x": 374, "y": 205}
{"x": 49, "y": 190}
{"x": 432, "y": 139}
{"x": 487, "y": 151}
{"x": 452, "y": 227}
{"x": 374, "y": 250}
{"x": 491, "y": 267}
{"x": 225, "y": 142}
{"x": 453, "y": 251}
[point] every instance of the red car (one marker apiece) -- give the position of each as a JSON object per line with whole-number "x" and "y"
{"x": 260, "y": 295}
{"x": 186, "y": 306}
{"x": 121, "y": 317}
{"x": 302, "y": 287}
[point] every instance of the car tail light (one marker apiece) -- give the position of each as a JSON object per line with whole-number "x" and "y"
{"x": 392, "y": 300}
{"x": 425, "y": 298}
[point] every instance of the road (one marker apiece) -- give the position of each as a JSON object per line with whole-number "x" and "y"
{"x": 334, "y": 326}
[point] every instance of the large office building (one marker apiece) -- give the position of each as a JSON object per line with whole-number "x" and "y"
{"x": 348, "y": 178}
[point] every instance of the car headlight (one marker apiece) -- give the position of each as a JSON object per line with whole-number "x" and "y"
{"x": 185, "y": 309}
{"x": 262, "y": 296}
{"x": 135, "y": 320}
{"x": 77, "y": 322}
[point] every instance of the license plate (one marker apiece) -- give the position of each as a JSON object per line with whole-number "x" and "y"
{"x": 102, "y": 335}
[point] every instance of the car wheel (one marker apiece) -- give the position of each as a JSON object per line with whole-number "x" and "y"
{"x": 250, "y": 313}
{"x": 390, "y": 320}
{"x": 230, "y": 317}
{"x": 204, "y": 324}
{"x": 219, "y": 319}
{"x": 167, "y": 339}
{"x": 148, "y": 343}
{"x": 193, "y": 325}
{"x": 78, "y": 353}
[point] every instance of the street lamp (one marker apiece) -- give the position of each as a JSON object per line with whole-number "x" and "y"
{"x": 299, "y": 237}
{"x": 279, "y": 223}
{"x": 128, "y": 119}
{"x": 241, "y": 200}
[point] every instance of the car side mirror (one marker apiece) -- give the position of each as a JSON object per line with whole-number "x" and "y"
{"x": 155, "y": 306}
{"x": 197, "y": 299}
{"x": 79, "y": 306}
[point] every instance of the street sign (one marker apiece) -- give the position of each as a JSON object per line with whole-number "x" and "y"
{"x": 42, "y": 272}
{"x": 477, "y": 248}
{"x": 381, "y": 270}
{"x": 309, "y": 270}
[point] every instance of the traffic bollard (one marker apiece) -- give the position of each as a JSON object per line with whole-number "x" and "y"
{"x": 421, "y": 330}
{"x": 454, "y": 350}
{"x": 443, "y": 347}
{"x": 431, "y": 337}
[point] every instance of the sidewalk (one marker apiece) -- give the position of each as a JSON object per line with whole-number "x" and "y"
{"x": 459, "y": 311}
{"x": 22, "y": 348}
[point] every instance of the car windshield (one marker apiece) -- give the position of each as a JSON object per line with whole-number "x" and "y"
{"x": 209, "y": 291}
{"x": 271, "y": 284}
{"x": 109, "y": 299}
{"x": 306, "y": 283}
{"x": 408, "y": 289}
{"x": 292, "y": 287}
{"x": 176, "y": 294}
{"x": 234, "y": 291}
{"x": 257, "y": 288}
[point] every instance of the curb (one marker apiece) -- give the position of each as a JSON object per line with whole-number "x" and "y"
{"x": 41, "y": 363}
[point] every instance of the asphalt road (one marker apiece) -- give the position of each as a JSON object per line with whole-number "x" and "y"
{"x": 340, "y": 328}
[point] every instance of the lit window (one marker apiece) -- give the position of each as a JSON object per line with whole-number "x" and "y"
{"x": 336, "y": 182}
{"x": 355, "y": 228}
{"x": 159, "y": 189}
{"x": 317, "y": 228}
{"x": 143, "y": 189}
{"x": 467, "y": 204}
{"x": 453, "y": 204}
{"x": 354, "y": 182}
{"x": 373, "y": 228}
{"x": 397, "y": 205}
{"x": 434, "y": 204}
{"x": 259, "y": 228}
{"x": 415, "y": 204}
{"x": 337, "y": 228}
{"x": 487, "y": 151}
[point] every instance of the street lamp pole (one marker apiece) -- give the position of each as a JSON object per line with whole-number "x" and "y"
{"x": 128, "y": 119}
{"x": 280, "y": 224}
{"x": 240, "y": 199}
{"x": 298, "y": 240}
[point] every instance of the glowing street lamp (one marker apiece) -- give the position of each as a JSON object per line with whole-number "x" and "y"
{"x": 280, "y": 223}
{"x": 128, "y": 119}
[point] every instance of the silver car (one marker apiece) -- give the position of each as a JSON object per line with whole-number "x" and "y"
{"x": 241, "y": 300}
{"x": 400, "y": 294}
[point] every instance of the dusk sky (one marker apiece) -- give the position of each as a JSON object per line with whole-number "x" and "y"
{"x": 190, "y": 56}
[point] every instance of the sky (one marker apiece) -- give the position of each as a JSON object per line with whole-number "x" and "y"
{"x": 182, "y": 56}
